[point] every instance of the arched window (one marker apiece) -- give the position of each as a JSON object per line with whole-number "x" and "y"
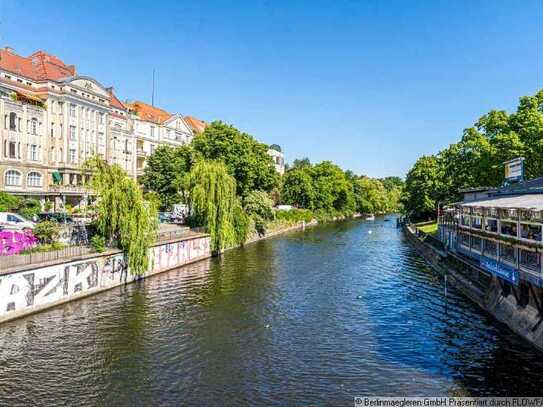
{"x": 12, "y": 178}
{"x": 34, "y": 179}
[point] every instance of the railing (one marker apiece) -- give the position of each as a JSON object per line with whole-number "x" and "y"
{"x": 7, "y": 262}
{"x": 172, "y": 234}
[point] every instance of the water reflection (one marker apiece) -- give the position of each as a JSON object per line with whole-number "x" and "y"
{"x": 309, "y": 317}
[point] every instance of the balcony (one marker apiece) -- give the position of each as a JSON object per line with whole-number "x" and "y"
{"x": 70, "y": 190}
{"x": 141, "y": 152}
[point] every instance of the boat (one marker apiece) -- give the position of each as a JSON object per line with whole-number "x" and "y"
{"x": 371, "y": 216}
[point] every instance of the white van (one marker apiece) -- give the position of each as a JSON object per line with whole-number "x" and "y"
{"x": 13, "y": 221}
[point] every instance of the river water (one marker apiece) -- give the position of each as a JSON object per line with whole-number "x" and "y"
{"x": 324, "y": 315}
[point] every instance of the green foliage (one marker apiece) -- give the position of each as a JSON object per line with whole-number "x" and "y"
{"x": 124, "y": 217}
{"x": 47, "y": 231}
{"x": 9, "y": 203}
{"x": 246, "y": 159}
{"x": 259, "y": 204}
{"x": 98, "y": 243}
{"x": 423, "y": 188}
{"x": 294, "y": 215}
{"x": 47, "y": 206}
{"x": 164, "y": 174}
{"x": 477, "y": 159}
{"x": 215, "y": 205}
{"x": 45, "y": 248}
{"x": 297, "y": 188}
{"x": 28, "y": 208}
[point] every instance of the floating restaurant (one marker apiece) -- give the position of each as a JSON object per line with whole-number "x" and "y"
{"x": 499, "y": 229}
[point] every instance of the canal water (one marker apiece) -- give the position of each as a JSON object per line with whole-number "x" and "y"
{"x": 324, "y": 315}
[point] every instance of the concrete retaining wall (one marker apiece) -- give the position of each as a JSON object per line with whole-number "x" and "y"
{"x": 518, "y": 307}
{"x": 28, "y": 291}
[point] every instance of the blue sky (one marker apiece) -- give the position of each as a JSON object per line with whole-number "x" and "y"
{"x": 370, "y": 85}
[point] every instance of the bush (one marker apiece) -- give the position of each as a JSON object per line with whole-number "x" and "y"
{"x": 46, "y": 232}
{"x": 44, "y": 248}
{"x": 98, "y": 243}
{"x": 29, "y": 208}
{"x": 295, "y": 215}
{"x": 9, "y": 203}
{"x": 258, "y": 204}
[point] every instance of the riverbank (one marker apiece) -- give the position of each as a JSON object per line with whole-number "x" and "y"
{"x": 33, "y": 288}
{"x": 519, "y": 308}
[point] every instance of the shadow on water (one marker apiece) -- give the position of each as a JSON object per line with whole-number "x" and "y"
{"x": 318, "y": 316}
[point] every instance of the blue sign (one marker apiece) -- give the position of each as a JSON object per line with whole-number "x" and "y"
{"x": 499, "y": 269}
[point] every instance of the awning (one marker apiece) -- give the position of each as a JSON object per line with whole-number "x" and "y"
{"x": 57, "y": 177}
{"x": 528, "y": 201}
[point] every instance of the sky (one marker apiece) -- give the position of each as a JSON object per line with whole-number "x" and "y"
{"x": 369, "y": 85}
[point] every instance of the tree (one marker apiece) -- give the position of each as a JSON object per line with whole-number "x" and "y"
{"x": 370, "y": 196}
{"x": 165, "y": 172}
{"x": 297, "y": 188}
{"x": 423, "y": 188}
{"x": 8, "y": 203}
{"x": 246, "y": 159}
{"x": 124, "y": 218}
{"x": 215, "y": 205}
{"x": 333, "y": 191}
{"x": 259, "y": 204}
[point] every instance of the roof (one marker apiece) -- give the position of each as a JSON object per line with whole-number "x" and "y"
{"x": 195, "y": 124}
{"x": 149, "y": 113}
{"x": 38, "y": 66}
{"x": 529, "y": 201}
{"x": 115, "y": 102}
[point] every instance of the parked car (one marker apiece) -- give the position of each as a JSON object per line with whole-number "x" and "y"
{"x": 55, "y": 216}
{"x": 164, "y": 217}
{"x": 14, "y": 221}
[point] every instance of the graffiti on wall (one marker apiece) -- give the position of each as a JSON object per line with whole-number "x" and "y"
{"x": 46, "y": 285}
{"x": 14, "y": 241}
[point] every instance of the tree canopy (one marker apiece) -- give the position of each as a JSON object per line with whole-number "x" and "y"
{"x": 246, "y": 159}
{"x": 477, "y": 158}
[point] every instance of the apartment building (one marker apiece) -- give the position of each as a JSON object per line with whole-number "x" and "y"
{"x": 54, "y": 119}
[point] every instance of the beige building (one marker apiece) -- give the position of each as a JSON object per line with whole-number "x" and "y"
{"x": 54, "y": 119}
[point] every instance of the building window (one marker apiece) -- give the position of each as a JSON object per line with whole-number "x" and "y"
{"x": 73, "y": 156}
{"x": 464, "y": 220}
{"x": 100, "y": 118}
{"x": 152, "y": 131}
{"x": 508, "y": 228}
{"x": 530, "y": 260}
{"x": 491, "y": 225}
{"x": 33, "y": 127}
{"x": 12, "y": 178}
{"x": 12, "y": 150}
{"x": 72, "y": 133}
{"x": 34, "y": 152}
{"x": 12, "y": 121}
{"x": 476, "y": 222}
{"x": 490, "y": 248}
{"x": 508, "y": 253}
{"x": 476, "y": 243}
{"x": 530, "y": 231}
{"x": 52, "y": 129}
{"x": 72, "y": 110}
{"x": 34, "y": 179}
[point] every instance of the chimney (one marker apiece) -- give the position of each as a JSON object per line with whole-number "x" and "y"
{"x": 71, "y": 68}
{"x": 9, "y": 49}
{"x": 110, "y": 90}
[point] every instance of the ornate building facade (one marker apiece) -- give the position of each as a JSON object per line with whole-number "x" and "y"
{"x": 54, "y": 119}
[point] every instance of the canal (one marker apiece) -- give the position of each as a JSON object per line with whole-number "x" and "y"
{"x": 336, "y": 311}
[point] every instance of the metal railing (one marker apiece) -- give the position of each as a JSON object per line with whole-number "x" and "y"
{"x": 17, "y": 260}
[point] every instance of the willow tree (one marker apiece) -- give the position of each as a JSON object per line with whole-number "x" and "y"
{"x": 124, "y": 218}
{"x": 215, "y": 205}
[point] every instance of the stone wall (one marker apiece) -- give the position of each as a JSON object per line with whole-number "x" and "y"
{"x": 28, "y": 291}
{"x": 519, "y": 307}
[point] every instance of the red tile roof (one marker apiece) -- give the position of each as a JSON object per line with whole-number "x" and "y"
{"x": 149, "y": 113}
{"x": 115, "y": 102}
{"x": 38, "y": 66}
{"x": 196, "y": 124}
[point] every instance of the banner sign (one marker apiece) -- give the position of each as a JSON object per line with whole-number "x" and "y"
{"x": 514, "y": 169}
{"x": 499, "y": 269}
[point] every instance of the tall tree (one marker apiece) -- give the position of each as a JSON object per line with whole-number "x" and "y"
{"x": 246, "y": 159}
{"x": 215, "y": 205}
{"x": 164, "y": 173}
{"x": 124, "y": 217}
